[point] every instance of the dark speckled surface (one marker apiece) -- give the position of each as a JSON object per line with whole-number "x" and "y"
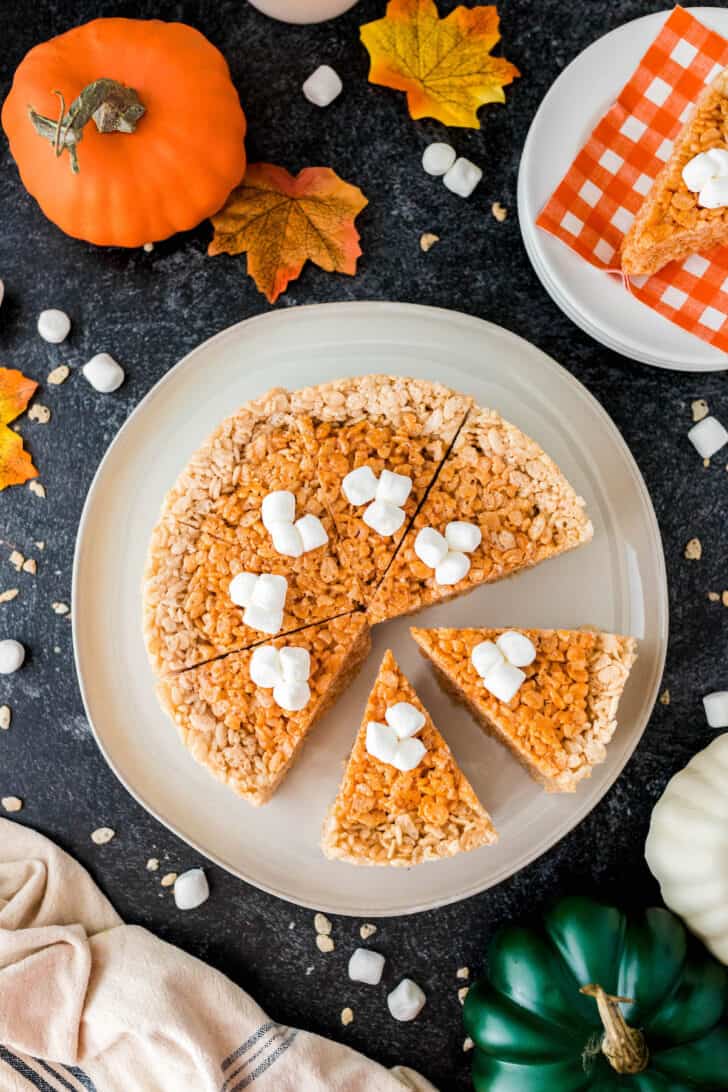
{"x": 150, "y": 309}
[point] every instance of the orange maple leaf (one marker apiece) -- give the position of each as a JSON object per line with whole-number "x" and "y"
{"x": 282, "y": 222}
{"x": 16, "y": 465}
{"x": 444, "y": 65}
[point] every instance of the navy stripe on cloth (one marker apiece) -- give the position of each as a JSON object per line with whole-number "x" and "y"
{"x": 24, "y": 1070}
{"x": 81, "y": 1077}
{"x": 266, "y": 1064}
{"x": 247, "y": 1045}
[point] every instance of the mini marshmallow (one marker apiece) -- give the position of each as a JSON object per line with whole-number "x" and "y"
{"x": 322, "y": 86}
{"x": 716, "y": 708}
{"x": 430, "y": 547}
{"x": 463, "y": 537}
{"x": 384, "y": 518}
{"x": 409, "y": 754}
{"x": 381, "y": 742}
{"x": 191, "y": 889}
{"x": 241, "y": 587}
{"x": 485, "y": 657}
{"x": 708, "y": 437}
{"x": 366, "y": 966}
{"x": 263, "y": 619}
{"x": 452, "y": 568}
{"x": 504, "y": 681}
{"x": 287, "y": 539}
{"x": 463, "y": 177}
{"x": 295, "y": 664}
{"x": 438, "y": 158}
{"x": 518, "y": 649}
{"x": 714, "y": 194}
{"x": 103, "y": 373}
{"x": 312, "y": 532}
{"x": 270, "y": 592}
{"x": 360, "y": 485}
{"x": 278, "y": 507}
{"x": 704, "y": 166}
{"x": 405, "y": 718}
{"x": 406, "y": 1001}
{"x": 12, "y": 655}
{"x": 291, "y": 695}
{"x": 54, "y": 326}
{"x": 393, "y": 488}
{"x": 266, "y": 667}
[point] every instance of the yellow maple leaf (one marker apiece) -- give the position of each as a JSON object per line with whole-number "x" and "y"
{"x": 283, "y": 221}
{"x": 16, "y": 465}
{"x": 444, "y": 65}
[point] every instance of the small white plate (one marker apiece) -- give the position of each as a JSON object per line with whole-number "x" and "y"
{"x": 617, "y": 582}
{"x": 591, "y": 298}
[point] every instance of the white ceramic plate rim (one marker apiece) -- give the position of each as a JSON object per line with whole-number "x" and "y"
{"x": 580, "y": 807}
{"x": 546, "y": 252}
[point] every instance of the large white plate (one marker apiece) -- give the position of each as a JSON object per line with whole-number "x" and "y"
{"x": 593, "y": 300}
{"x": 617, "y": 582}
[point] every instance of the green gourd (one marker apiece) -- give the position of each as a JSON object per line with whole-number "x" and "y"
{"x": 599, "y": 1000}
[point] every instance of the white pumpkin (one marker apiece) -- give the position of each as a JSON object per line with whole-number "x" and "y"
{"x": 687, "y": 845}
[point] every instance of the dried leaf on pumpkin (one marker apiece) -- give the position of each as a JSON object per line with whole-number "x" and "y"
{"x": 282, "y": 222}
{"x": 444, "y": 65}
{"x": 16, "y": 465}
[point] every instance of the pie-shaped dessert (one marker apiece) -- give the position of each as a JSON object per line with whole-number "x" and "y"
{"x": 501, "y": 483}
{"x": 236, "y": 727}
{"x": 562, "y": 715}
{"x": 387, "y": 815}
{"x": 674, "y": 220}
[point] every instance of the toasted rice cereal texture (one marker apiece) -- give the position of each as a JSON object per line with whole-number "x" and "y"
{"x": 384, "y": 817}
{"x": 189, "y": 617}
{"x": 670, "y": 224}
{"x": 235, "y": 728}
{"x": 560, "y": 721}
{"x": 500, "y": 479}
{"x": 403, "y": 425}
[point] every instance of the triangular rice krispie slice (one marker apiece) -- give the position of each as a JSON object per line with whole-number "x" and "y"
{"x": 561, "y": 718}
{"x": 671, "y": 224}
{"x": 238, "y": 729}
{"x": 386, "y": 423}
{"x": 386, "y": 816}
{"x": 502, "y": 483}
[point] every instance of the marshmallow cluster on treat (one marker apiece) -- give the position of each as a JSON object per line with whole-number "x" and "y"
{"x": 284, "y": 670}
{"x": 262, "y": 597}
{"x": 394, "y": 742}
{"x": 707, "y": 175}
{"x": 385, "y": 495}
{"x": 447, "y": 554}
{"x": 291, "y": 537}
{"x": 499, "y": 664}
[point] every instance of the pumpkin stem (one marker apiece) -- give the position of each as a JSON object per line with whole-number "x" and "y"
{"x": 624, "y": 1047}
{"x": 113, "y": 107}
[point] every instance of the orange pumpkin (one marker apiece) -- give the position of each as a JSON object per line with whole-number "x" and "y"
{"x": 135, "y": 130}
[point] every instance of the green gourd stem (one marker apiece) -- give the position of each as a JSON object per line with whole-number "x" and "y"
{"x": 624, "y": 1047}
{"x": 113, "y": 107}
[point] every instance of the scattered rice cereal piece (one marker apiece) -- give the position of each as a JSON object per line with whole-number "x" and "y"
{"x": 60, "y": 608}
{"x": 499, "y": 212}
{"x": 322, "y": 924}
{"x": 324, "y": 943}
{"x": 665, "y": 697}
{"x": 152, "y": 864}
{"x": 59, "y": 375}
{"x": 40, "y": 413}
{"x": 16, "y": 559}
{"x": 713, "y": 596}
{"x": 463, "y": 993}
{"x": 8, "y": 595}
{"x": 102, "y": 835}
{"x": 468, "y": 1044}
{"x": 40, "y": 545}
{"x": 462, "y": 972}
{"x": 699, "y": 409}
{"x": 367, "y": 930}
{"x": 168, "y": 879}
{"x": 37, "y": 488}
{"x": 12, "y": 803}
{"x": 347, "y": 1016}
{"x": 5, "y": 717}
{"x": 694, "y": 550}
{"x": 30, "y": 565}
{"x": 428, "y": 240}
{"x": 148, "y": 248}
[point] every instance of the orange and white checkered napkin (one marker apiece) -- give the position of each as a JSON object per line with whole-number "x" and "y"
{"x": 596, "y": 201}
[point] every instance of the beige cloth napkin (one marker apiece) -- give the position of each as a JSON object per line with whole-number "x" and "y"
{"x": 90, "y": 1004}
